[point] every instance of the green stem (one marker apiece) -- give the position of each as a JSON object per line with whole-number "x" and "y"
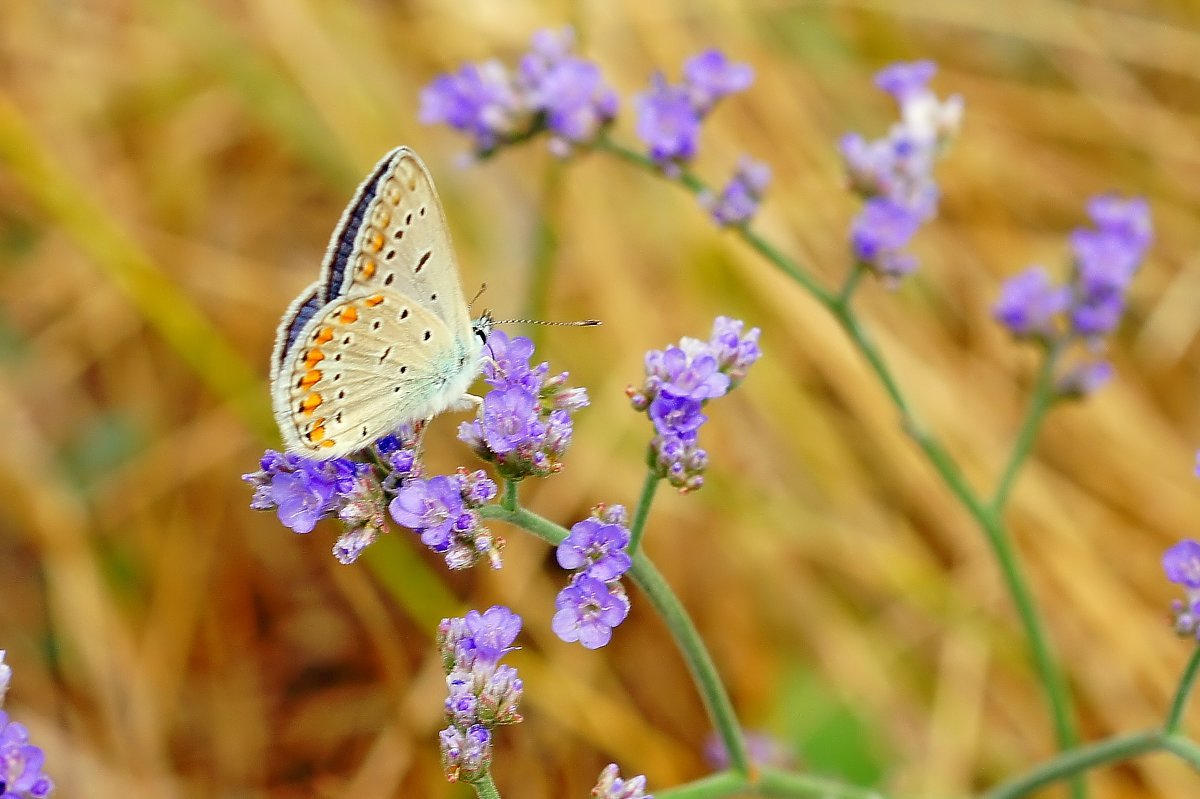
{"x": 1041, "y": 398}
{"x": 1175, "y": 716}
{"x": 1051, "y": 676}
{"x": 852, "y": 281}
{"x": 1075, "y": 762}
{"x": 485, "y": 788}
{"x": 1183, "y": 748}
{"x": 699, "y": 662}
{"x": 687, "y": 638}
{"x": 637, "y": 527}
{"x": 988, "y": 519}
{"x": 509, "y": 500}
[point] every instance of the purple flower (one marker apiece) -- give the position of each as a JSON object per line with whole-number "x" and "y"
{"x": 739, "y": 200}
{"x": 667, "y": 122}
{"x": 492, "y": 632}
{"x": 679, "y": 380}
{"x": 588, "y": 610}
{"x": 880, "y": 233}
{"x": 734, "y": 350}
{"x": 479, "y": 100}
{"x": 675, "y": 415}
{"x": 576, "y": 101}
{"x": 302, "y": 491}
{"x": 509, "y": 419}
{"x": 431, "y": 507}
{"x": 611, "y": 786}
{"x": 903, "y": 80}
{"x": 710, "y": 76}
{"x": 1029, "y": 304}
{"x": 523, "y": 426}
{"x": 680, "y": 460}
{"x": 466, "y": 754}
{"x": 499, "y": 697}
{"x": 597, "y": 549}
{"x": 692, "y": 373}
{"x": 1182, "y": 564}
{"x": 1129, "y": 219}
{"x": 21, "y": 763}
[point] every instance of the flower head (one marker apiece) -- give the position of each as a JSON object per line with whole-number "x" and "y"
{"x": 1029, "y": 304}
{"x": 611, "y": 786}
{"x": 680, "y": 380}
{"x": 710, "y": 76}
{"x": 667, "y": 122}
{"x": 481, "y": 693}
{"x": 21, "y": 762}
{"x": 300, "y": 490}
{"x": 524, "y": 426}
{"x": 879, "y": 236}
{"x": 739, "y": 200}
{"x": 1182, "y": 565}
{"x": 442, "y": 510}
{"x": 588, "y": 610}
{"x": 480, "y": 100}
{"x": 597, "y": 549}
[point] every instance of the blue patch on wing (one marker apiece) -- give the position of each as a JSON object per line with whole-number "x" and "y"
{"x": 348, "y": 232}
{"x": 305, "y": 312}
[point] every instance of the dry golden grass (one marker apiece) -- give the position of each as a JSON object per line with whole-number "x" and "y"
{"x": 169, "y": 173}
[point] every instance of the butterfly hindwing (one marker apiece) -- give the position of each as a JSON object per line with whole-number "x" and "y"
{"x": 363, "y": 365}
{"x": 394, "y": 236}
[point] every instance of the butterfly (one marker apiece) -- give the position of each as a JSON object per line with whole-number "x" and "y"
{"x": 384, "y": 337}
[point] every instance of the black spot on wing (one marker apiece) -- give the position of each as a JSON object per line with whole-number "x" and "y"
{"x": 346, "y": 233}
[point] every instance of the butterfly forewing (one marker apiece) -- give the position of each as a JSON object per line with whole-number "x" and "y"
{"x": 399, "y": 241}
{"x": 361, "y": 367}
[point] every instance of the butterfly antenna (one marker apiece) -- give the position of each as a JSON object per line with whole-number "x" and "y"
{"x": 478, "y": 294}
{"x": 580, "y": 323}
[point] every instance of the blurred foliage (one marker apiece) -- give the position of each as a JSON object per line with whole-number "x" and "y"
{"x": 169, "y": 174}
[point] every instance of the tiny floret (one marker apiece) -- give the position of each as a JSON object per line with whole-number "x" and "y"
{"x": 611, "y": 786}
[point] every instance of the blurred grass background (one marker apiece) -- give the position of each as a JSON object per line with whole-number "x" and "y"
{"x": 170, "y": 171}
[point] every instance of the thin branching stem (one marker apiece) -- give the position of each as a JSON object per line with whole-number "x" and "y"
{"x": 638, "y": 526}
{"x": 687, "y": 637}
{"x": 1186, "y": 682}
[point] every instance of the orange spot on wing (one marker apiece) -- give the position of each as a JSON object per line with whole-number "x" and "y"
{"x": 374, "y": 300}
{"x": 317, "y": 433}
{"x": 311, "y": 378}
{"x": 327, "y": 443}
{"x": 348, "y": 314}
{"x": 367, "y": 268}
{"x": 324, "y": 335}
{"x": 310, "y": 403}
{"x": 375, "y": 241}
{"x": 313, "y": 357}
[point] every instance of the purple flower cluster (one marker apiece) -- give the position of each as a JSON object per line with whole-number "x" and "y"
{"x": 1182, "y": 564}
{"x": 669, "y": 116}
{"x": 1105, "y": 259}
{"x": 679, "y": 381}
{"x": 739, "y": 200}
{"x": 895, "y": 173}
{"x": 303, "y": 491}
{"x": 524, "y": 424}
{"x": 21, "y": 762}
{"x": 552, "y": 89}
{"x": 611, "y": 786}
{"x": 482, "y": 693}
{"x": 443, "y": 510}
{"x": 594, "y": 601}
